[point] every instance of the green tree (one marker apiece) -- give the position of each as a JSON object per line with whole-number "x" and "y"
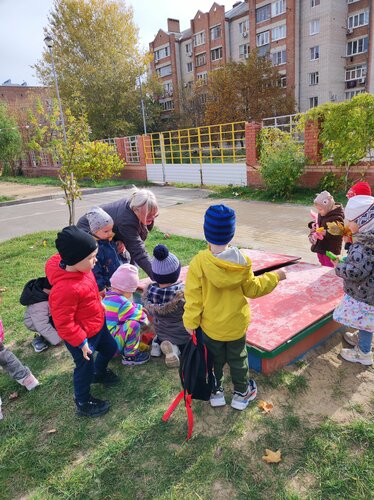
{"x": 79, "y": 157}
{"x": 247, "y": 91}
{"x": 10, "y": 139}
{"x": 95, "y": 53}
{"x": 347, "y": 131}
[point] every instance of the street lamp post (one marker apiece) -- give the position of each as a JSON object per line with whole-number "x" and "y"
{"x": 142, "y": 105}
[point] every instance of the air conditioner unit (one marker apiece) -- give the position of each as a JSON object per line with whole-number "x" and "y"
{"x": 361, "y": 80}
{"x": 333, "y": 97}
{"x": 189, "y": 54}
{"x": 349, "y": 31}
{"x": 245, "y": 34}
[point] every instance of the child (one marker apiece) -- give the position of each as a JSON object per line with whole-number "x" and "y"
{"x": 107, "y": 259}
{"x": 124, "y": 317}
{"x": 79, "y": 318}
{"x": 218, "y": 281}
{"x": 356, "y": 310}
{"x": 362, "y": 188}
{"x": 328, "y": 211}
{"x": 164, "y": 300}
{"x": 13, "y": 366}
{"x": 37, "y": 317}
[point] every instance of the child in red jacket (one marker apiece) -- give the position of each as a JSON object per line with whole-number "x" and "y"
{"x": 79, "y": 318}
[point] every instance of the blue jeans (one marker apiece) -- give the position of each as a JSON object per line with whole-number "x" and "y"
{"x": 364, "y": 341}
{"x": 84, "y": 370}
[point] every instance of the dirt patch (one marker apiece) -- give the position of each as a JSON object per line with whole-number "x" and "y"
{"x": 302, "y": 483}
{"x": 19, "y": 191}
{"x": 222, "y": 491}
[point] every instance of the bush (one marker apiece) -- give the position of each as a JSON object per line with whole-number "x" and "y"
{"x": 331, "y": 182}
{"x": 282, "y": 162}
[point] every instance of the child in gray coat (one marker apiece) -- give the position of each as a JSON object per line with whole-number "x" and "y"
{"x": 37, "y": 316}
{"x": 164, "y": 300}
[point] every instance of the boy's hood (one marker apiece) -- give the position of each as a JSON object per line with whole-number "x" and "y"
{"x": 33, "y": 293}
{"x": 228, "y": 271}
{"x": 164, "y": 309}
{"x": 55, "y": 273}
{"x": 365, "y": 239}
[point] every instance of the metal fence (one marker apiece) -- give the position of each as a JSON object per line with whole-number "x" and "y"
{"x": 224, "y": 143}
{"x": 130, "y": 147}
{"x": 286, "y": 123}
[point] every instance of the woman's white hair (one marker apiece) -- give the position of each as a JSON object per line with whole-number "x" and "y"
{"x": 143, "y": 198}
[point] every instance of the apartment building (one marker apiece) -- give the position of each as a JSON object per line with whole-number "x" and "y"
{"x": 323, "y": 49}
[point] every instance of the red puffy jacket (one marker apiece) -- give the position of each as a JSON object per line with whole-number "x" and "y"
{"x": 75, "y": 303}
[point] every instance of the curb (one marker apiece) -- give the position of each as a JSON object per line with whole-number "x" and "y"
{"x": 23, "y": 201}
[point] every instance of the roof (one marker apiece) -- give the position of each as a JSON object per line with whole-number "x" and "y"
{"x": 239, "y": 10}
{"x": 185, "y": 34}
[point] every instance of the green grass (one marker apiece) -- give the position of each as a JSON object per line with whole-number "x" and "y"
{"x": 130, "y": 453}
{"x": 53, "y": 181}
{"x": 6, "y": 198}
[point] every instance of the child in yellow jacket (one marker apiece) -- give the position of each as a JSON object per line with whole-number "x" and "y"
{"x": 218, "y": 282}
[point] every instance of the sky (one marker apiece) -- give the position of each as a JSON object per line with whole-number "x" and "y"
{"x": 22, "y": 23}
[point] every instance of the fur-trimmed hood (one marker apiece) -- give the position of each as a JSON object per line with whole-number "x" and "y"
{"x": 163, "y": 309}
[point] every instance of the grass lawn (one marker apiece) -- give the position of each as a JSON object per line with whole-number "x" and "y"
{"x": 6, "y": 198}
{"x": 54, "y": 181}
{"x": 131, "y": 454}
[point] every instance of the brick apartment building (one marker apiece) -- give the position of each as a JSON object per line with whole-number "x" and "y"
{"x": 19, "y": 98}
{"x": 323, "y": 48}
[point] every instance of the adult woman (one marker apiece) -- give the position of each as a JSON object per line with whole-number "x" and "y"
{"x": 133, "y": 218}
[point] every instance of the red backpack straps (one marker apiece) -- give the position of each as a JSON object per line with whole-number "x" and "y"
{"x": 172, "y": 407}
{"x": 174, "y": 404}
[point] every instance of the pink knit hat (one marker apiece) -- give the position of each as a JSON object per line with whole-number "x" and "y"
{"x": 125, "y": 278}
{"x": 325, "y": 199}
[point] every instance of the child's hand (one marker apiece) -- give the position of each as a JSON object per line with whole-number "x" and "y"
{"x": 86, "y": 351}
{"x": 281, "y": 274}
{"x": 120, "y": 246}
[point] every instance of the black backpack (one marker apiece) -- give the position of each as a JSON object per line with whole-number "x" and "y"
{"x": 197, "y": 377}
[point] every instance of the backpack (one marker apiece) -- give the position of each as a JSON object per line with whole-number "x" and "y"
{"x": 197, "y": 377}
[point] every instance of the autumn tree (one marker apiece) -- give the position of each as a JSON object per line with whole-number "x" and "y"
{"x": 10, "y": 139}
{"x": 247, "y": 91}
{"x": 96, "y": 54}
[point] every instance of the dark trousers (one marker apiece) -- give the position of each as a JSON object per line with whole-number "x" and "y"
{"x": 84, "y": 370}
{"x": 234, "y": 353}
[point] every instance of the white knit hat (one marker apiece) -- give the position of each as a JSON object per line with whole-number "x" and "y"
{"x": 360, "y": 209}
{"x": 97, "y": 219}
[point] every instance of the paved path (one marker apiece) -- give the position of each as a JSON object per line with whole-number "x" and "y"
{"x": 260, "y": 225}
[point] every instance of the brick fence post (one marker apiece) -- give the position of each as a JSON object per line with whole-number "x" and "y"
{"x": 121, "y": 147}
{"x": 312, "y": 146}
{"x": 252, "y": 130}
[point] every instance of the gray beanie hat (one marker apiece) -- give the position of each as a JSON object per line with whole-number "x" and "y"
{"x": 165, "y": 265}
{"x": 97, "y": 219}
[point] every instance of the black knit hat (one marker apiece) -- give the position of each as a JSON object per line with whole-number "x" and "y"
{"x": 74, "y": 245}
{"x": 166, "y": 267}
{"x": 219, "y": 224}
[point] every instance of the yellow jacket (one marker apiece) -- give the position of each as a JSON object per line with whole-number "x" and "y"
{"x": 216, "y": 292}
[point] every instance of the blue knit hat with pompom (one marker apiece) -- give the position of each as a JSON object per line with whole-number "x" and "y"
{"x": 165, "y": 265}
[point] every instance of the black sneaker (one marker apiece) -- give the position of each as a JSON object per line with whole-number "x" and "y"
{"x": 39, "y": 344}
{"x": 107, "y": 378}
{"x": 93, "y": 408}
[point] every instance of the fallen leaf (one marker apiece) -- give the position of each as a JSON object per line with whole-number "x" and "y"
{"x": 218, "y": 452}
{"x": 51, "y": 431}
{"x": 166, "y": 236}
{"x": 272, "y": 457}
{"x": 3, "y": 290}
{"x": 44, "y": 243}
{"x": 265, "y": 406}
{"x": 13, "y": 395}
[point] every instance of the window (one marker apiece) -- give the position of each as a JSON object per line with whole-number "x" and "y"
{"x": 313, "y": 102}
{"x": 357, "y": 46}
{"x": 216, "y": 54}
{"x": 278, "y": 57}
{"x": 263, "y": 13}
{"x": 164, "y": 71}
{"x": 244, "y": 26}
{"x": 243, "y": 50}
{"x": 188, "y": 47}
{"x": 168, "y": 89}
{"x": 314, "y": 3}
{"x": 202, "y": 76}
{"x": 353, "y": 93}
{"x": 353, "y": 1}
{"x": 215, "y": 32}
{"x": 282, "y": 82}
{"x": 199, "y": 38}
{"x": 167, "y": 105}
{"x": 314, "y": 78}
{"x": 161, "y": 53}
{"x": 355, "y": 72}
{"x": 200, "y": 59}
{"x": 361, "y": 19}
{"x": 278, "y": 8}
{"x": 278, "y": 33}
{"x": 189, "y": 67}
{"x": 314, "y": 27}
{"x": 263, "y": 38}
{"x": 314, "y": 53}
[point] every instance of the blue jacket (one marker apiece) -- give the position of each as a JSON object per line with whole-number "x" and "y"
{"x": 107, "y": 263}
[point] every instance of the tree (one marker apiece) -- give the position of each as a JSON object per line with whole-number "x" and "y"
{"x": 95, "y": 54}
{"x": 78, "y": 156}
{"x": 247, "y": 91}
{"x": 347, "y": 131}
{"x": 10, "y": 139}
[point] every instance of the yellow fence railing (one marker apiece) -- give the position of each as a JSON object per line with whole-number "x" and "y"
{"x": 224, "y": 143}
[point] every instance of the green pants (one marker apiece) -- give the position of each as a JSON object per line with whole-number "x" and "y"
{"x": 234, "y": 353}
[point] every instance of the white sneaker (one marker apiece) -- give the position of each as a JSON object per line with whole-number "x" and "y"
{"x": 217, "y": 398}
{"x": 155, "y": 349}
{"x": 30, "y": 382}
{"x": 351, "y": 338}
{"x": 357, "y": 356}
{"x": 240, "y": 401}
{"x": 172, "y": 353}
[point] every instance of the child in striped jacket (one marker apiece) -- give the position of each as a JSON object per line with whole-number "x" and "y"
{"x": 125, "y": 318}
